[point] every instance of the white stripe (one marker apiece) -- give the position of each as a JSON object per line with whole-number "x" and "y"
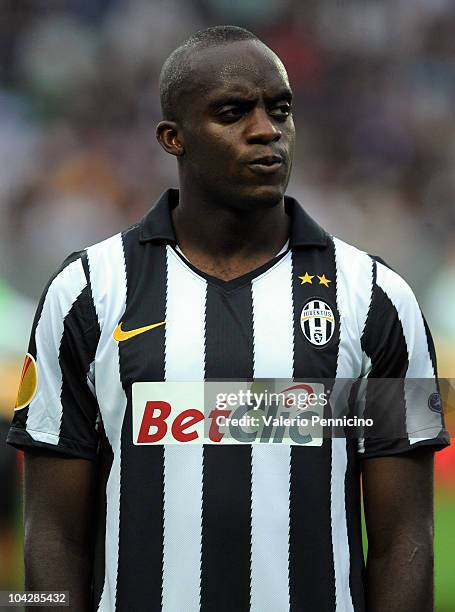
{"x": 185, "y": 323}
{"x": 273, "y": 329}
{"x": 182, "y": 527}
{"x": 273, "y": 321}
{"x": 45, "y": 411}
{"x": 418, "y": 416}
{"x": 354, "y": 289}
{"x": 340, "y": 542}
{"x": 185, "y": 336}
{"x": 270, "y": 528}
{"x": 108, "y": 280}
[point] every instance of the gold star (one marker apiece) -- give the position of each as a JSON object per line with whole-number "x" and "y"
{"x": 306, "y": 279}
{"x": 323, "y": 280}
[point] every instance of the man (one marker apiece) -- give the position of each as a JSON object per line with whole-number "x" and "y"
{"x": 219, "y": 281}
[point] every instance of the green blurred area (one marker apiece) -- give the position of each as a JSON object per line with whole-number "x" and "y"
{"x": 444, "y": 549}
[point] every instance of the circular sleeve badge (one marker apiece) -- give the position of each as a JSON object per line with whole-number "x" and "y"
{"x": 435, "y": 402}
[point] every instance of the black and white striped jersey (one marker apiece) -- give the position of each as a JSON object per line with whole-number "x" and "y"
{"x": 266, "y": 528}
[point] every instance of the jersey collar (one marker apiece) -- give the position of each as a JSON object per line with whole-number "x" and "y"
{"x": 157, "y": 226}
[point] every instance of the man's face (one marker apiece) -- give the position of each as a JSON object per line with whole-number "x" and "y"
{"x": 236, "y": 124}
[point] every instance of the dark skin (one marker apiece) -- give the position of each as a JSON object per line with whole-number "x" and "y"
{"x": 236, "y": 109}
{"x": 59, "y": 498}
{"x": 398, "y": 501}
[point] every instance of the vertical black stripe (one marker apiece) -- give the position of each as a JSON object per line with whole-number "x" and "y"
{"x": 311, "y": 361}
{"x": 226, "y": 504}
{"x": 431, "y": 349}
{"x": 384, "y": 343}
{"x": 86, "y": 268}
{"x": 226, "y": 529}
{"x": 375, "y": 276}
{"x": 139, "y": 581}
{"x": 311, "y": 570}
{"x": 77, "y": 350}
{"x": 229, "y": 333}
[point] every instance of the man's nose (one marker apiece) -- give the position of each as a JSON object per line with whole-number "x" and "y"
{"x": 262, "y": 129}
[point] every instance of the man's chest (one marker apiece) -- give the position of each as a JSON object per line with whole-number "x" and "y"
{"x": 282, "y": 323}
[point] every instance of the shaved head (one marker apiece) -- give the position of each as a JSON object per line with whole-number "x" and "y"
{"x": 177, "y": 69}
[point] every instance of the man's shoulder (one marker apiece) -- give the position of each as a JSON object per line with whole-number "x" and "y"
{"x": 366, "y": 278}
{"x": 344, "y": 250}
{"x": 353, "y": 265}
{"x": 105, "y": 245}
{"x": 352, "y": 259}
{"x": 79, "y": 267}
{"x": 154, "y": 227}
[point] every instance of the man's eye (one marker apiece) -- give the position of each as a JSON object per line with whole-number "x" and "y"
{"x": 281, "y": 112}
{"x": 230, "y": 112}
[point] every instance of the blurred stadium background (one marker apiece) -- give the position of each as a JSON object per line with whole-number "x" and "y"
{"x": 375, "y": 162}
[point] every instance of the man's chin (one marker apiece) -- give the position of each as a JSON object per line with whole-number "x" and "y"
{"x": 261, "y": 197}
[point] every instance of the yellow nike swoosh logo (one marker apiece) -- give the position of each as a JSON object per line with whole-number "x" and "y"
{"x": 120, "y": 335}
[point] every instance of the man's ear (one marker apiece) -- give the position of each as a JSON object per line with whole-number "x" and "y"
{"x": 170, "y": 138}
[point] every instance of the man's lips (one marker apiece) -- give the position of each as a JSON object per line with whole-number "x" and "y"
{"x": 267, "y": 160}
{"x": 267, "y": 164}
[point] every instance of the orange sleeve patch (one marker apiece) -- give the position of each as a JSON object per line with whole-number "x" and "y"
{"x": 28, "y": 383}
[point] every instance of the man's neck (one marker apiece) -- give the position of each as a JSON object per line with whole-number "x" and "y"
{"x": 227, "y": 242}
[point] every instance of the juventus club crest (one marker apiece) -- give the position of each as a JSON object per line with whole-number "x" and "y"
{"x": 318, "y": 322}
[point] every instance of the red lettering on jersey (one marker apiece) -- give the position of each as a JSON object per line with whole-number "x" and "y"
{"x": 215, "y": 434}
{"x": 306, "y": 388}
{"x": 191, "y": 416}
{"x": 149, "y": 420}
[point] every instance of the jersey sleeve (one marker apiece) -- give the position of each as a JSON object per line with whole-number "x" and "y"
{"x": 400, "y": 395}
{"x": 56, "y": 406}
